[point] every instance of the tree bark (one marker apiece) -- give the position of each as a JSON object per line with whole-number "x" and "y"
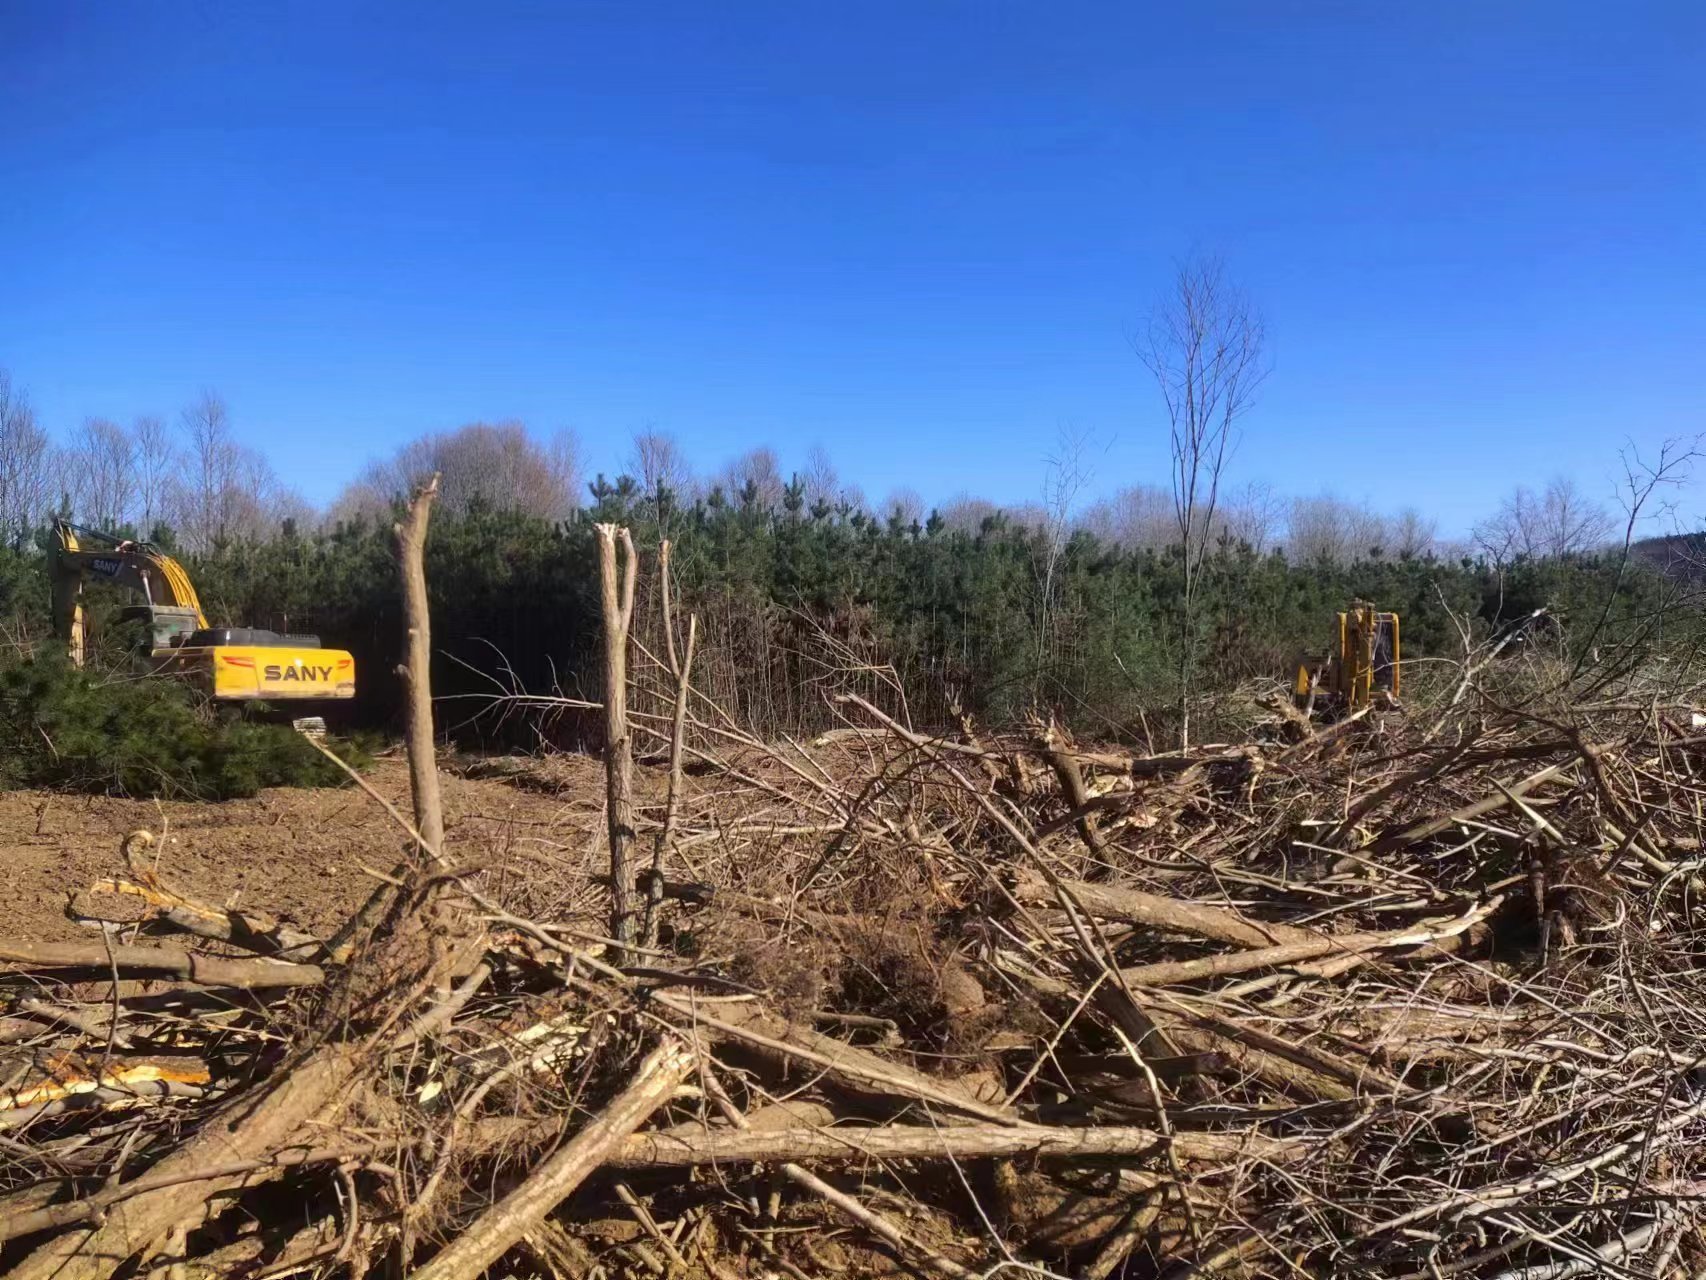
{"x": 1175, "y": 915}
{"x": 501, "y": 1226}
{"x": 418, "y": 733}
{"x": 688, "y": 1145}
{"x": 1166, "y": 972}
{"x": 616, "y": 593}
{"x": 174, "y": 962}
{"x": 681, "y": 668}
{"x": 1071, "y": 779}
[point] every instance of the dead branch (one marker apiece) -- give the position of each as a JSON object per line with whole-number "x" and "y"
{"x": 680, "y": 670}
{"x": 688, "y": 1146}
{"x": 506, "y": 1222}
{"x": 1134, "y": 906}
{"x": 171, "y": 962}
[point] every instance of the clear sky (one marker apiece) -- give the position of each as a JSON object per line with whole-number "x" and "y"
{"x": 918, "y": 233}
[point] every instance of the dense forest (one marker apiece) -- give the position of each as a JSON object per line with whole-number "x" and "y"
{"x": 793, "y": 603}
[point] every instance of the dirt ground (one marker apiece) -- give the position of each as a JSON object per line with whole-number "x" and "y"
{"x": 296, "y": 853}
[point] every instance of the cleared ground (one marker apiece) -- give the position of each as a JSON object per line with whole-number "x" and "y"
{"x": 297, "y": 853}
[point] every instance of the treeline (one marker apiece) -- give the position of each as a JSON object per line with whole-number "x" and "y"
{"x": 795, "y": 603}
{"x": 801, "y": 586}
{"x": 193, "y": 476}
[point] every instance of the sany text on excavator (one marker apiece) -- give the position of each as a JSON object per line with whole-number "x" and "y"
{"x": 229, "y": 664}
{"x": 1364, "y": 656}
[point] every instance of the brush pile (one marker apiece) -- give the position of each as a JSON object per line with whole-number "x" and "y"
{"x": 1406, "y": 996}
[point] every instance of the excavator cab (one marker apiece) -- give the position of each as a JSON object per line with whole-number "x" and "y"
{"x": 1365, "y": 657}
{"x": 161, "y": 626}
{"x": 229, "y": 664}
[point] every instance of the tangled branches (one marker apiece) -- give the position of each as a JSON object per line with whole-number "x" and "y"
{"x": 1411, "y": 996}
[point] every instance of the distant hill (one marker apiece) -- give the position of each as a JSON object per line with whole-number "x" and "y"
{"x": 1679, "y": 556}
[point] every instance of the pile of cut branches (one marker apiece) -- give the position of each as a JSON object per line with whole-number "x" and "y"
{"x": 1406, "y": 996}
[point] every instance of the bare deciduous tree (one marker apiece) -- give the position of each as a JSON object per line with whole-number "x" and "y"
{"x": 360, "y": 500}
{"x": 255, "y": 504}
{"x": 1644, "y": 486}
{"x": 666, "y": 480}
{"x": 1411, "y": 535}
{"x": 1558, "y": 521}
{"x": 1026, "y": 515}
{"x": 102, "y": 470}
{"x": 1328, "y": 531}
{"x": 1064, "y": 474}
{"x": 967, "y": 514}
{"x": 658, "y": 463}
{"x": 209, "y": 483}
{"x": 225, "y": 490}
{"x": 156, "y": 459}
{"x": 905, "y": 505}
{"x": 563, "y": 457}
{"x": 1136, "y": 517}
{"x": 757, "y": 474}
{"x": 1204, "y": 346}
{"x": 24, "y": 458}
{"x": 1254, "y": 516}
{"x": 498, "y": 465}
{"x": 821, "y": 482}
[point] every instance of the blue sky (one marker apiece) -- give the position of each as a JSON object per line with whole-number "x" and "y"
{"x": 920, "y": 234}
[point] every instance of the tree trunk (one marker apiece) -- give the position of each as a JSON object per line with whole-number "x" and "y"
{"x": 616, "y": 589}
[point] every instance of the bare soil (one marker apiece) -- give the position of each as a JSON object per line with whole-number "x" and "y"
{"x": 296, "y": 853}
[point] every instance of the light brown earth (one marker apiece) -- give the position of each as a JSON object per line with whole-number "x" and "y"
{"x": 296, "y": 853}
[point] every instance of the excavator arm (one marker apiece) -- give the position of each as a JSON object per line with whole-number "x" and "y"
{"x": 139, "y": 567}
{"x": 231, "y": 664}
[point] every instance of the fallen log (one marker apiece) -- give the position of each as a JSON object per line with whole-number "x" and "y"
{"x": 34, "y": 1210}
{"x": 252, "y": 931}
{"x": 774, "y": 1037}
{"x": 686, "y": 1146}
{"x": 68, "y": 1080}
{"x": 1259, "y": 1063}
{"x": 1167, "y": 972}
{"x": 100, "y": 1027}
{"x": 1505, "y": 794}
{"x": 170, "y": 962}
{"x": 1071, "y": 780}
{"x": 520, "y": 1211}
{"x": 187, "y": 1184}
{"x": 1173, "y": 915}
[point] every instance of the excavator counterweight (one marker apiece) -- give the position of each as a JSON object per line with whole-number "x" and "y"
{"x": 229, "y": 664}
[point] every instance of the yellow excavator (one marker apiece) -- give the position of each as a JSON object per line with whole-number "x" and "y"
{"x": 229, "y": 664}
{"x": 1363, "y": 657}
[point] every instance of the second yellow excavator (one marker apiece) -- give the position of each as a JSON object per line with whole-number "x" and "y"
{"x": 229, "y": 664}
{"x": 1364, "y": 656}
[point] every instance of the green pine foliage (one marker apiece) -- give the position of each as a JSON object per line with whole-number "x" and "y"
{"x": 137, "y": 735}
{"x": 785, "y": 595}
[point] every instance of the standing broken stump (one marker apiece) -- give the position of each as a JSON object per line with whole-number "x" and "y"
{"x": 616, "y": 595}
